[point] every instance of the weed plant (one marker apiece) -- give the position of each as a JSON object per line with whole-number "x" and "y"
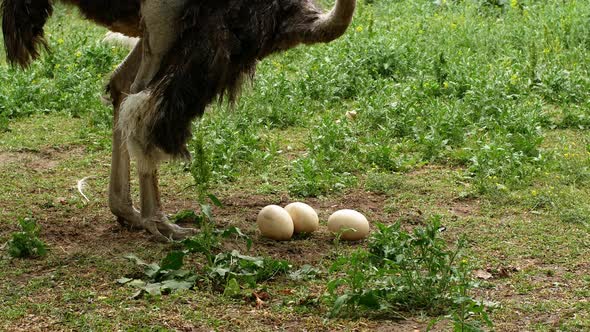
{"x": 221, "y": 269}
{"x": 405, "y": 272}
{"x": 26, "y": 243}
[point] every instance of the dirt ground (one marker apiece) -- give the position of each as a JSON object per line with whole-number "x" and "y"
{"x": 536, "y": 282}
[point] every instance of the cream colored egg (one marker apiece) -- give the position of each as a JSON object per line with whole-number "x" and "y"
{"x": 305, "y": 219}
{"x": 275, "y": 223}
{"x": 357, "y": 224}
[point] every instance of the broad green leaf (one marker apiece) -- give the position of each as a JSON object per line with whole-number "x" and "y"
{"x": 173, "y": 261}
{"x": 340, "y": 301}
{"x": 185, "y": 216}
{"x": 179, "y": 274}
{"x": 124, "y": 280}
{"x": 153, "y": 289}
{"x": 304, "y": 273}
{"x": 370, "y": 300}
{"x": 220, "y": 271}
{"x": 173, "y": 285}
{"x": 232, "y": 289}
{"x": 137, "y": 283}
{"x": 207, "y": 212}
{"x": 135, "y": 259}
{"x": 152, "y": 270}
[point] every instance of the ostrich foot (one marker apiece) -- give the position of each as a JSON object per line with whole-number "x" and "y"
{"x": 165, "y": 231}
{"x": 130, "y": 218}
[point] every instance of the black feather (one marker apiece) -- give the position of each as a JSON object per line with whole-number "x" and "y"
{"x": 218, "y": 48}
{"x": 22, "y": 26}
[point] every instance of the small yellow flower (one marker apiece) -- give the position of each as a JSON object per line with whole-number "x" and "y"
{"x": 78, "y": 54}
{"x": 60, "y": 41}
{"x": 534, "y": 193}
{"x": 359, "y": 28}
{"x": 514, "y": 3}
{"x": 277, "y": 65}
{"x": 445, "y": 85}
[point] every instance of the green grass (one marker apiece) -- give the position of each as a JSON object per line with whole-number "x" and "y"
{"x": 473, "y": 110}
{"x": 464, "y": 85}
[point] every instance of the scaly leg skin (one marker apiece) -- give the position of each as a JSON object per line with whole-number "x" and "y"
{"x": 120, "y": 201}
{"x": 152, "y": 217}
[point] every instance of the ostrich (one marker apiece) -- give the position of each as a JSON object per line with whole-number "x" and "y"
{"x": 190, "y": 53}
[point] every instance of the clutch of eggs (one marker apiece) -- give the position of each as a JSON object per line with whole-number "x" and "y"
{"x": 279, "y": 223}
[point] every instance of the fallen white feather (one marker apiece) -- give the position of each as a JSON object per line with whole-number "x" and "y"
{"x": 82, "y": 184}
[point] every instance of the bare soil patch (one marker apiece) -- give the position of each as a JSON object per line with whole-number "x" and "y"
{"x": 43, "y": 160}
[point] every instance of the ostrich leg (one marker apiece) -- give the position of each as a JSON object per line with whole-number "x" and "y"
{"x": 154, "y": 220}
{"x": 151, "y": 217}
{"x": 120, "y": 201}
{"x": 160, "y": 20}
